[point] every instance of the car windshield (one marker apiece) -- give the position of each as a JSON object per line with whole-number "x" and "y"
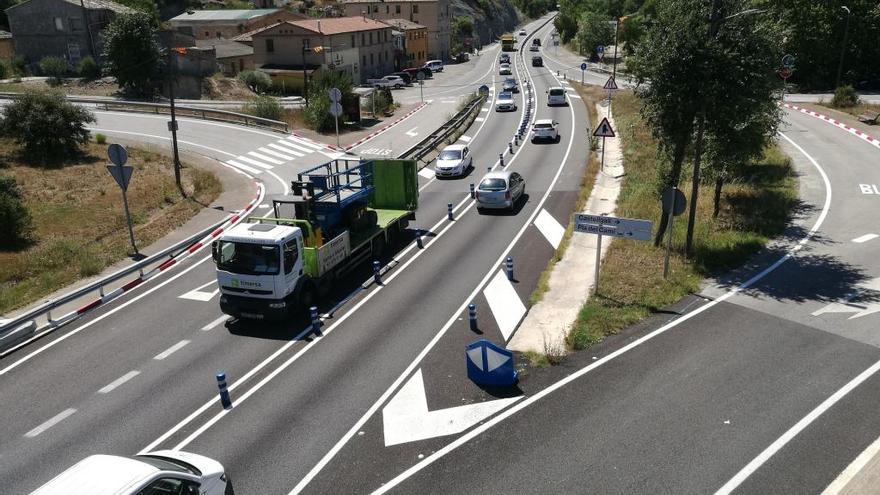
{"x": 557, "y": 92}
{"x": 509, "y": 82}
{"x": 168, "y": 464}
{"x": 450, "y": 155}
{"x": 543, "y": 126}
{"x": 505, "y": 96}
{"x": 493, "y": 185}
{"x": 248, "y": 258}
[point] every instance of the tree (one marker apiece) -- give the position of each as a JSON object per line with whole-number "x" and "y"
{"x": 593, "y": 30}
{"x": 265, "y": 107}
{"x": 132, "y": 51}
{"x": 148, "y": 7}
{"x": 46, "y": 125}
{"x": 15, "y": 221}
{"x": 54, "y": 68}
{"x": 317, "y": 113}
{"x": 88, "y": 68}
{"x": 255, "y": 80}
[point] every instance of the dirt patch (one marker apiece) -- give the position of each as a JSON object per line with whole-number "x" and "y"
{"x": 99, "y": 87}
{"x": 225, "y": 88}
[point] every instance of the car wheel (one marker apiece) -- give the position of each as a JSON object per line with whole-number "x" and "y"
{"x": 558, "y": 138}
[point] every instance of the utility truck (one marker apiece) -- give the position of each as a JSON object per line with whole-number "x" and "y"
{"x": 338, "y": 215}
{"x": 508, "y": 43}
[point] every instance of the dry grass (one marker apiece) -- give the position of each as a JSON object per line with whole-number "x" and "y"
{"x": 854, "y": 111}
{"x": 755, "y": 208}
{"x": 99, "y": 87}
{"x": 80, "y": 225}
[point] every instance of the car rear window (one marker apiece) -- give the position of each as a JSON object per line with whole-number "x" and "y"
{"x": 450, "y": 155}
{"x": 493, "y": 185}
{"x": 543, "y": 126}
{"x": 557, "y": 92}
{"x": 505, "y": 96}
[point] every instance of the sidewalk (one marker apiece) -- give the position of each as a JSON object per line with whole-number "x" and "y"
{"x": 861, "y": 477}
{"x": 548, "y": 322}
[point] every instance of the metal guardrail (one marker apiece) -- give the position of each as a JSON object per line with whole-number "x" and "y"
{"x": 425, "y": 146}
{"x": 17, "y": 329}
{"x": 180, "y": 110}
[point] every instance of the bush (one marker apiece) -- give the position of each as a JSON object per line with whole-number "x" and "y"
{"x": 48, "y": 126}
{"x": 15, "y": 221}
{"x": 19, "y": 65}
{"x": 845, "y": 97}
{"x": 317, "y": 113}
{"x": 257, "y": 81}
{"x": 100, "y": 138}
{"x": 265, "y": 107}
{"x": 88, "y": 69}
{"x": 383, "y": 100}
{"x": 4, "y": 70}
{"x": 54, "y": 67}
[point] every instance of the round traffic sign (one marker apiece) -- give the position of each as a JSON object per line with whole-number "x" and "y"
{"x": 788, "y": 61}
{"x": 584, "y": 66}
{"x": 600, "y": 49}
{"x": 118, "y": 155}
{"x": 784, "y": 72}
{"x": 335, "y": 95}
{"x": 335, "y": 109}
{"x": 420, "y": 75}
{"x": 671, "y": 194}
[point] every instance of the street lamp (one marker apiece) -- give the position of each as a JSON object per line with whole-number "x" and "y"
{"x": 842, "y": 46}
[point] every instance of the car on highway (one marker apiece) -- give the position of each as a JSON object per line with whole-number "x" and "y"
{"x": 504, "y": 59}
{"x": 504, "y": 70}
{"x": 159, "y": 472}
{"x": 505, "y": 102}
{"x": 556, "y": 96}
{"x": 510, "y": 86}
{"x": 535, "y": 48}
{"x": 522, "y": 32}
{"x": 434, "y": 65}
{"x": 545, "y": 130}
{"x": 453, "y": 161}
{"x": 499, "y": 190}
{"x": 537, "y": 61}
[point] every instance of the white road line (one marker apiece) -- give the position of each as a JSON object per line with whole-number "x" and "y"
{"x": 199, "y": 295}
{"x": 506, "y": 306}
{"x": 854, "y": 468}
{"x": 285, "y": 149}
{"x": 479, "y": 119}
{"x": 254, "y": 162}
{"x": 412, "y": 132}
{"x": 464, "y": 138}
{"x": 574, "y": 96}
{"x": 52, "y": 422}
{"x": 214, "y": 323}
{"x": 305, "y": 143}
{"x": 119, "y": 381}
{"x": 301, "y": 149}
{"x": 552, "y": 230}
{"x": 244, "y": 167}
{"x": 865, "y": 238}
{"x": 484, "y": 109}
{"x": 427, "y": 173}
{"x": 171, "y": 350}
{"x": 276, "y": 154}
{"x": 264, "y": 158}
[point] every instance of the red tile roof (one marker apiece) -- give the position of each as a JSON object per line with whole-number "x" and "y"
{"x": 329, "y": 25}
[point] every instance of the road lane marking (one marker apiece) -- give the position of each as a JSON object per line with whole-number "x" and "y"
{"x": 52, "y": 422}
{"x": 412, "y": 133}
{"x": 244, "y": 167}
{"x": 285, "y": 149}
{"x": 479, "y": 119}
{"x": 865, "y": 238}
{"x": 506, "y": 306}
{"x": 305, "y": 143}
{"x": 301, "y": 149}
{"x": 171, "y": 350}
{"x": 552, "y": 230}
{"x": 119, "y": 381}
{"x": 216, "y": 322}
{"x": 464, "y": 138}
{"x": 254, "y": 162}
{"x": 266, "y": 150}
{"x": 427, "y": 173}
{"x": 264, "y": 158}
{"x": 853, "y": 470}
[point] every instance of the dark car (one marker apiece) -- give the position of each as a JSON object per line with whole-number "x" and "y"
{"x": 536, "y": 41}
{"x": 510, "y": 85}
{"x": 537, "y": 61}
{"x": 405, "y": 76}
{"x": 412, "y": 71}
{"x": 505, "y": 59}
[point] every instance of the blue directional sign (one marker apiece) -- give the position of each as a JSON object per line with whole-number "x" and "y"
{"x": 584, "y": 66}
{"x": 600, "y": 49}
{"x": 490, "y": 365}
{"x": 484, "y": 89}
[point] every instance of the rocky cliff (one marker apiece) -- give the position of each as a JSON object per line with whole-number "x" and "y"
{"x": 491, "y": 18}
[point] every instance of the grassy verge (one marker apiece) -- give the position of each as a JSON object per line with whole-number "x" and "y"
{"x": 755, "y": 208}
{"x": 79, "y": 222}
{"x": 854, "y": 111}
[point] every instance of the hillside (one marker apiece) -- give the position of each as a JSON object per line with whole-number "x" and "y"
{"x": 491, "y": 18}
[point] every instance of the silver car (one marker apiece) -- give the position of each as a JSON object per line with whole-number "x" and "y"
{"x": 500, "y": 190}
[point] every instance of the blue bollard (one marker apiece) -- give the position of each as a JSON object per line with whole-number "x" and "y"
{"x": 376, "y": 277}
{"x": 509, "y": 265}
{"x": 510, "y": 147}
{"x": 449, "y": 212}
{"x": 516, "y": 139}
{"x": 501, "y": 159}
{"x": 419, "y": 239}
{"x": 225, "y": 401}
{"x": 472, "y": 316}
{"x": 473, "y": 192}
{"x": 316, "y": 322}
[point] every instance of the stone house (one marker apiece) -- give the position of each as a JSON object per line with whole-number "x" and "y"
{"x": 232, "y": 56}
{"x": 435, "y": 15}
{"x": 411, "y": 47}
{"x": 207, "y": 24}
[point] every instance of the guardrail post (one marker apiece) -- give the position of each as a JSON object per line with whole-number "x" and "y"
{"x": 501, "y": 159}
{"x": 225, "y": 401}
{"x": 449, "y": 211}
{"x": 419, "y": 239}
{"x": 472, "y": 316}
{"x": 316, "y": 322}
{"x": 101, "y": 291}
{"x": 509, "y": 265}
{"x": 473, "y": 192}
{"x": 49, "y": 314}
{"x": 376, "y": 276}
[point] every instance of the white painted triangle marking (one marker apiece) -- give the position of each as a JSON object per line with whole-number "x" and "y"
{"x": 406, "y": 417}
{"x": 865, "y": 238}
{"x": 200, "y": 295}
{"x": 264, "y": 157}
{"x": 244, "y": 167}
{"x": 505, "y": 304}
{"x": 276, "y": 154}
{"x": 304, "y": 142}
{"x": 552, "y": 230}
{"x": 254, "y": 162}
{"x": 427, "y": 173}
{"x": 870, "y": 289}
{"x": 285, "y": 149}
{"x": 466, "y": 139}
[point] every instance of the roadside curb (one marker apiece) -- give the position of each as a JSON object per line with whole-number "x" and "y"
{"x": 380, "y": 131}
{"x": 852, "y": 130}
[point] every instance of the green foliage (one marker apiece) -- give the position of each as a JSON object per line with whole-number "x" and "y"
{"x": 148, "y": 7}
{"x": 845, "y": 97}
{"x": 535, "y": 8}
{"x": 461, "y": 27}
{"x": 265, "y": 107}
{"x": 593, "y": 30}
{"x": 100, "y": 138}
{"x": 15, "y": 221}
{"x": 4, "y": 69}
{"x": 19, "y": 65}
{"x": 132, "y": 51}
{"x": 231, "y": 4}
{"x": 257, "y": 81}
{"x": 88, "y": 69}
{"x": 54, "y": 68}
{"x": 317, "y": 113}
{"x": 48, "y": 127}
{"x": 384, "y": 99}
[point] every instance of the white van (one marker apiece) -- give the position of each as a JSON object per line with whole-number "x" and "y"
{"x": 434, "y": 65}
{"x": 160, "y": 472}
{"x": 556, "y": 96}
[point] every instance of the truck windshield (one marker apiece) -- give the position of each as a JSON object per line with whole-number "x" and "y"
{"x": 248, "y": 258}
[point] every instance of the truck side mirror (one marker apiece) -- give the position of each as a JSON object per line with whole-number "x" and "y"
{"x": 215, "y": 251}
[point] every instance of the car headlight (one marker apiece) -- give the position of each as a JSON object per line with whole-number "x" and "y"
{"x": 278, "y": 305}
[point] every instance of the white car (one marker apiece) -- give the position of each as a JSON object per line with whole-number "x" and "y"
{"x": 454, "y": 160}
{"x": 556, "y": 96}
{"x": 163, "y": 471}
{"x": 545, "y": 130}
{"x": 505, "y": 102}
{"x": 434, "y": 65}
{"x": 504, "y": 70}
{"x": 534, "y": 48}
{"x": 500, "y": 189}
{"x": 523, "y": 32}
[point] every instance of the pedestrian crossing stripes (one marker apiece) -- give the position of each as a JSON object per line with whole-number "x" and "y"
{"x": 274, "y": 154}
{"x": 254, "y": 162}
{"x": 286, "y": 150}
{"x": 265, "y": 158}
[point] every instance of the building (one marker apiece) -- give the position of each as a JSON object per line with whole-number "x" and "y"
{"x": 60, "y": 28}
{"x": 433, "y": 14}
{"x": 232, "y": 56}
{"x": 411, "y": 46}
{"x": 206, "y": 24}
{"x": 7, "y": 50}
{"x": 361, "y": 47}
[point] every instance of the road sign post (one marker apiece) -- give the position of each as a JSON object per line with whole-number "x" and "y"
{"x": 420, "y": 76}
{"x": 604, "y": 131}
{"x": 603, "y": 225}
{"x": 122, "y": 174}
{"x": 610, "y": 85}
{"x": 336, "y": 108}
{"x": 674, "y": 204}
{"x": 583, "y": 70}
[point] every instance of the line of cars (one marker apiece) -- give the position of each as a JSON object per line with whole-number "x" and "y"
{"x": 407, "y": 77}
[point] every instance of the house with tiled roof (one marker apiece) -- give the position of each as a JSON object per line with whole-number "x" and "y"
{"x": 435, "y": 15}
{"x": 207, "y": 24}
{"x": 69, "y": 29}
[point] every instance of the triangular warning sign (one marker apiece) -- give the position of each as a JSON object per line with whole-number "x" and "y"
{"x": 604, "y": 129}
{"x": 610, "y": 83}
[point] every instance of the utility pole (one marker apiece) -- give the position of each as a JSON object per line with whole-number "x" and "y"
{"x": 842, "y": 47}
{"x": 172, "y": 126}
{"x": 305, "y": 75}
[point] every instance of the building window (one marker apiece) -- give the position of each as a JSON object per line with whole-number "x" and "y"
{"x": 397, "y": 9}
{"x": 371, "y": 59}
{"x": 207, "y": 34}
{"x": 387, "y": 9}
{"x": 386, "y": 35}
{"x": 59, "y": 24}
{"x": 352, "y": 41}
{"x": 75, "y": 23}
{"x": 362, "y": 39}
{"x": 375, "y": 9}
{"x": 371, "y": 37}
{"x": 415, "y": 8}
{"x": 306, "y": 42}
{"x": 270, "y": 45}
{"x": 364, "y": 61}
